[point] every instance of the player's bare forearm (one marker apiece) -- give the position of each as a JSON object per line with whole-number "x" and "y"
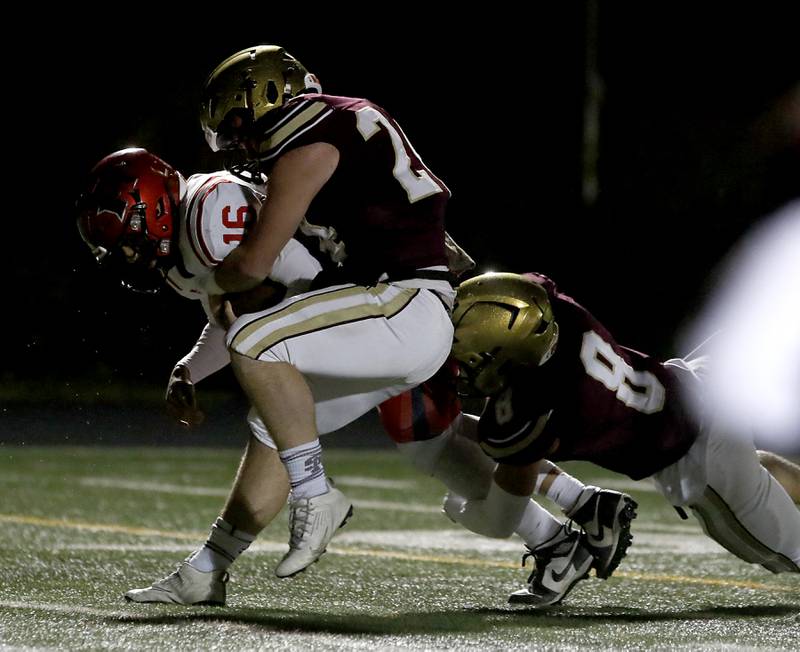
{"x": 294, "y": 181}
{"x": 237, "y": 273}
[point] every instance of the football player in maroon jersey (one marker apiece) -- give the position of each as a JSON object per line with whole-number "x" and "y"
{"x": 374, "y": 327}
{"x": 559, "y": 385}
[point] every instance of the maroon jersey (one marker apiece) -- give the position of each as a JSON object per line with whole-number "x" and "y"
{"x": 604, "y": 403}
{"x": 386, "y": 206}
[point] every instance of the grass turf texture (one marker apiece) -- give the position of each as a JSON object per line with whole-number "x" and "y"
{"x": 79, "y": 526}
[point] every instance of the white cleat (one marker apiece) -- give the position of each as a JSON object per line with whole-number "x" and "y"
{"x": 312, "y": 524}
{"x": 186, "y": 586}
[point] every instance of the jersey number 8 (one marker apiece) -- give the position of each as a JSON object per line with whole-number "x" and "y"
{"x": 639, "y": 390}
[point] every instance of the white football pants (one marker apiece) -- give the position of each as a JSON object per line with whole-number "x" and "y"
{"x": 738, "y": 503}
{"x": 356, "y": 346}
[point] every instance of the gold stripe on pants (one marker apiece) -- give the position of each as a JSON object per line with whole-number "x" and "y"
{"x": 321, "y": 321}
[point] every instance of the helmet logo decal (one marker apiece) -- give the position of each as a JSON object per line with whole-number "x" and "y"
{"x": 115, "y": 207}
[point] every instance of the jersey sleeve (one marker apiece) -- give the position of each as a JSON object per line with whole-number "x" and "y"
{"x": 215, "y": 213}
{"x": 306, "y": 120}
{"x": 514, "y": 427}
{"x": 208, "y": 355}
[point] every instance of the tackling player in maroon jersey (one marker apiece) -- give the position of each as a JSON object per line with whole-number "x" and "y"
{"x": 559, "y": 385}
{"x": 373, "y": 328}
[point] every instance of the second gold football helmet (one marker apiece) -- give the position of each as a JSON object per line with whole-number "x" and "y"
{"x": 502, "y": 322}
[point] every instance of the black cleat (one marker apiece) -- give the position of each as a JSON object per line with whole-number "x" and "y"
{"x": 560, "y": 564}
{"x": 605, "y": 517}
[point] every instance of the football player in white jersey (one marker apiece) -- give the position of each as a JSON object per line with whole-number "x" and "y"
{"x": 140, "y": 217}
{"x": 375, "y": 327}
{"x": 215, "y": 212}
{"x": 143, "y": 220}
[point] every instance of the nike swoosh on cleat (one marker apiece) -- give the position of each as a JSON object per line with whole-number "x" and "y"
{"x": 558, "y": 575}
{"x": 601, "y": 541}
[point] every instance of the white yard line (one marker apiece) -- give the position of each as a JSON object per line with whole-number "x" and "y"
{"x": 372, "y": 483}
{"x": 155, "y": 487}
{"x": 161, "y": 487}
{"x": 396, "y": 507}
{"x": 444, "y": 542}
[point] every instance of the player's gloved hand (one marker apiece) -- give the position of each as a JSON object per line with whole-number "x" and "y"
{"x": 181, "y": 398}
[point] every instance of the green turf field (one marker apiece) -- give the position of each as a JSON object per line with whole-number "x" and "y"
{"x": 79, "y": 526}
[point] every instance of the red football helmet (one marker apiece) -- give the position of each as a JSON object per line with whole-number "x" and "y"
{"x": 128, "y": 216}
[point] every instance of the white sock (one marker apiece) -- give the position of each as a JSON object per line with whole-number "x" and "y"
{"x": 537, "y": 525}
{"x": 304, "y": 465}
{"x": 224, "y": 545}
{"x": 564, "y": 491}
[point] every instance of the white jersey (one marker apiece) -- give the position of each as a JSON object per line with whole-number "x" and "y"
{"x": 214, "y": 213}
{"x": 216, "y": 209}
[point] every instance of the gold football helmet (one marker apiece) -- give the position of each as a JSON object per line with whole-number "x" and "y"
{"x": 502, "y": 322}
{"x": 244, "y": 87}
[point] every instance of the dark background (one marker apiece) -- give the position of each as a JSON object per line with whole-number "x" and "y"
{"x": 696, "y": 146}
